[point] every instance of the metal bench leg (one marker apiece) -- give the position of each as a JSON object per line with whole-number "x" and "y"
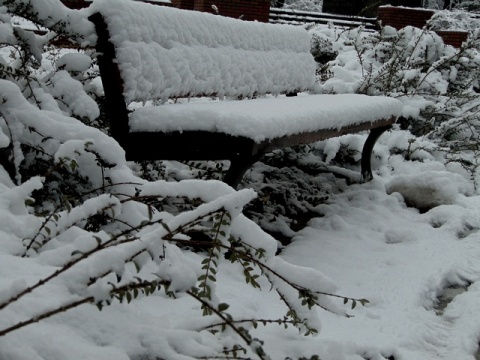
{"x": 238, "y": 167}
{"x": 372, "y": 138}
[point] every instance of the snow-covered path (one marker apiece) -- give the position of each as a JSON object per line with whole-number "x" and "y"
{"x": 374, "y": 247}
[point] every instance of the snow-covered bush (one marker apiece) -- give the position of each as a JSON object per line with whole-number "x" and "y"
{"x": 438, "y": 84}
{"x": 303, "y": 5}
{"x": 453, "y": 20}
{"x": 469, "y": 5}
{"x": 80, "y": 229}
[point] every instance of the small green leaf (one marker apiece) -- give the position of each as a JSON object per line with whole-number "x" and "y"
{"x": 73, "y": 165}
{"x": 364, "y": 302}
{"x": 206, "y": 311}
{"x": 165, "y": 226}
{"x": 128, "y": 296}
{"x": 153, "y": 287}
{"x": 29, "y": 202}
{"x": 137, "y": 266}
{"x": 255, "y": 284}
{"x": 223, "y": 307}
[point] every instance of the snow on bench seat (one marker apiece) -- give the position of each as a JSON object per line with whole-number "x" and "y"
{"x": 266, "y": 118}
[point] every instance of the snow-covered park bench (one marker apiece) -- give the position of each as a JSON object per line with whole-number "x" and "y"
{"x": 164, "y": 71}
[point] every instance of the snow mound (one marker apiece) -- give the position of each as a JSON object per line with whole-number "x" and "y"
{"x": 74, "y": 62}
{"x": 399, "y": 235}
{"x": 429, "y": 189}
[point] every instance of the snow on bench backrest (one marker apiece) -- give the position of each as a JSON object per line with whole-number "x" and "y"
{"x": 165, "y": 52}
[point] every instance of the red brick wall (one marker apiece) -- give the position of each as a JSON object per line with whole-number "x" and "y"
{"x": 454, "y": 38}
{"x": 183, "y": 4}
{"x": 258, "y": 10}
{"x": 399, "y": 17}
{"x": 79, "y": 4}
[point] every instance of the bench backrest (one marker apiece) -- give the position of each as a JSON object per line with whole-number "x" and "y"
{"x": 165, "y": 52}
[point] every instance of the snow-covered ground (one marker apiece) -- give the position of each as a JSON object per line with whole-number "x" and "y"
{"x": 403, "y": 249}
{"x": 375, "y": 247}
{"x": 364, "y": 238}
{"x": 418, "y": 269}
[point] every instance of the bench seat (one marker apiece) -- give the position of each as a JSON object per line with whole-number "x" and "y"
{"x": 266, "y": 119}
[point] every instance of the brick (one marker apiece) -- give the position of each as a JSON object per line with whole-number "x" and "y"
{"x": 399, "y": 17}
{"x": 80, "y": 4}
{"x": 454, "y": 38}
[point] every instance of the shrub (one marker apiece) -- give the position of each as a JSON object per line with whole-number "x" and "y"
{"x": 438, "y": 84}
